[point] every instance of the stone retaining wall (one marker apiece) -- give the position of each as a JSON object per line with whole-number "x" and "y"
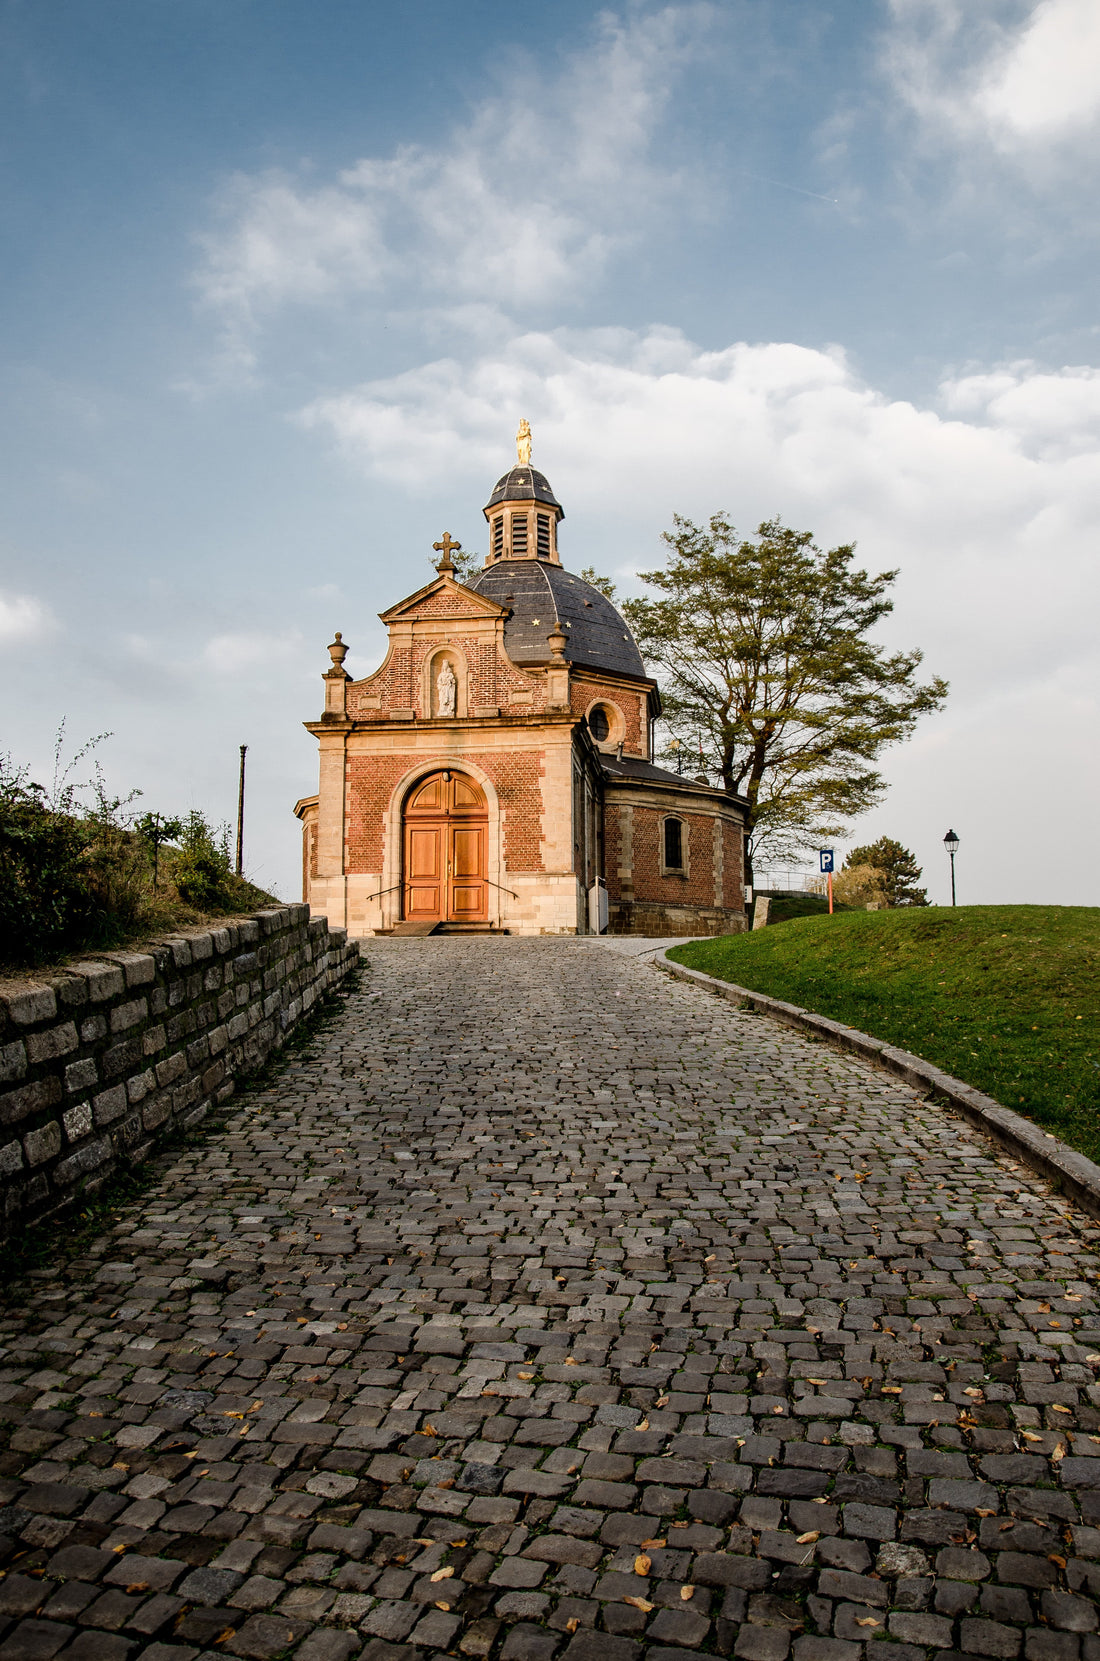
{"x": 101, "y": 1059}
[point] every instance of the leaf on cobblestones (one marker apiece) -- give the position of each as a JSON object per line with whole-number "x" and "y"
{"x": 971, "y": 1391}
{"x": 644, "y": 1425}
{"x": 646, "y": 1544}
{"x": 1056, "y": 1407}
{"x": 428, "y": 1430}
{"x": 441, "y": 1605}
{"x": 662, "y": 1401}
{"x": 640, "y": 1603}
{"x": 642, "y": 1564}
{"x": 1052, "y": 1557}
{"x": 570, "y": 1361}
{"x": 1031, "y": 1436}
{"x": 525, "y": 1375}
{"x": 572, "y": 1624}
{"x": 687, "y": 1593}
{"x": 1011, "y": 1523}
{"x": 808, "y": 1539}
{"x": 1059, "y": 1453}
{"x": 868, "y": 1620}
{"x": 442, "y": 1574}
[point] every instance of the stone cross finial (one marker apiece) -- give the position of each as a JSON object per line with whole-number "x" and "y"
{"x": 523, "y": 443}
{"x": 447, "y": 547}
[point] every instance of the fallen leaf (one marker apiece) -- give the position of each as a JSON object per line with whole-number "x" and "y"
{"x": 662, "y": 1401}
{"x": 429, "y": 1430}
{"x": 570, "y": 1361}
{"x": 979, "y": 1512}
{"x": 642, "y": 1564}
{"x": 643, "y": 1426}
{"x": 138, "y": 1586}
{"x": 1059, "y": 1453}
{"x": 442, "y": 1574}
{"x": 1030, "y": 1436}
{"x": 816, "y": 1381}
{"x": 780, "y": 1409}
{"x": 525, "y": 1375}
{"x": 891, "y": 1389}
{"x": 687, "y": 1593}
{"x": 1054, "y": 1558}
{"x": 1057, "y": 1407}
{"x": 647, "y": 1543}
{"x": 228, "y": 1633}
{"x": 971, "y": 1390}
{"x": 808, "y": 1539}
{"x": 1010, "y": 1524}
{"x": 640, "y": 1603}
{"x": 443, "y": 1606}
{"x": 572, "y": 1624}
{"x": 868, "y": 1620}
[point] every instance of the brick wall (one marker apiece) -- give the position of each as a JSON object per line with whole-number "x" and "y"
{"x": 515, "y": 776}
{"x": 100, "y": 1059}
{"x": 399, "y": 683}
{"x": 697, "y": 888}
{"x": 588, "y": 689}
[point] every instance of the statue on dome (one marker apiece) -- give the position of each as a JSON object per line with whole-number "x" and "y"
{"x": 446, "y": 689}
{"x": 523, "y": 443}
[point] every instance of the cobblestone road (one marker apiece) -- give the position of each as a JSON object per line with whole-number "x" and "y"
{"x": 545, "y": 1307}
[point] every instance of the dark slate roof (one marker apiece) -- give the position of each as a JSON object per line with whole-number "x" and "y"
{"x": 540, "y": 596}
{"x": 524, "y": 484}
{"x": 627, "y": 769}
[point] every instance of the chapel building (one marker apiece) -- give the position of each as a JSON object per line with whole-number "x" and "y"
{"x": 495, "y": 773}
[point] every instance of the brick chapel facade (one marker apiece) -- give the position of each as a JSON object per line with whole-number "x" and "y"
{"x": 495, "y": 772}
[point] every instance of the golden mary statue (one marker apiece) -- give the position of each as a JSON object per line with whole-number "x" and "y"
{"x": 523, "y": 443}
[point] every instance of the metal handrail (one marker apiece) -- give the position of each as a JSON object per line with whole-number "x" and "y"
{"x": 382, "y": 891}
{"x": 509, "y": 891}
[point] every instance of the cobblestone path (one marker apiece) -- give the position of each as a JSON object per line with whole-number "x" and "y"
{"x": 547, "y": 1308}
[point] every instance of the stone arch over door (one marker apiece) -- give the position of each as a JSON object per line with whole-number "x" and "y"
{"x": 445, "y": 849}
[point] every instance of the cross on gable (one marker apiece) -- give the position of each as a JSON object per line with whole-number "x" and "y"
{"x": 447, "y": 547}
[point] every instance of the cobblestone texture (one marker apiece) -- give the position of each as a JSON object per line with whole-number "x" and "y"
{"x": 546, "y": 1310}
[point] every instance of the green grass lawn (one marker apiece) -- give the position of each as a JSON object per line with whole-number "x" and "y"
{"x": 1005, "y": 997}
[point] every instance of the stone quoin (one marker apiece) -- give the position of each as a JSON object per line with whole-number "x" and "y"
{"x": 496, "y": 772}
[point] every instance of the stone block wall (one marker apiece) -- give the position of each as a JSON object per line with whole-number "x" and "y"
{"x": 102, "y": 1058}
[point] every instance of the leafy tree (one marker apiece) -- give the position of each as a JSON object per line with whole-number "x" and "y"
{"x": 897, "y": 871}
{"x": 761, "y": 648}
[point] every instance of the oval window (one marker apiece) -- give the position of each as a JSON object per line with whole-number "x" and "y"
{"x": 598, "y": 724}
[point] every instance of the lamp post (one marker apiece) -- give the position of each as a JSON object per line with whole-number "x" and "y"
{"x": 951, "y": 843}
{"x": 240, "y": 815}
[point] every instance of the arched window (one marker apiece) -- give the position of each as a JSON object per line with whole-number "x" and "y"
{"x": 674, "y": 844}
{"x": 598, "y": 724}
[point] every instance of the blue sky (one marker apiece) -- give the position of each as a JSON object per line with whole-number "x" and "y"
{"x": 279, "y": 281}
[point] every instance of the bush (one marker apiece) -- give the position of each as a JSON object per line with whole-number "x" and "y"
{"x": 77, "y": 874}
{"x": 201, "y": 870}
{"x": 45, "y": 900}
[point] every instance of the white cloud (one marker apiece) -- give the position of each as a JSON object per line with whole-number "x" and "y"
{"x": 246, "y": 653}
{"x": 524, "y": 204}
{"x": 1023, "y": 79}
{"x": 23, "y": 619}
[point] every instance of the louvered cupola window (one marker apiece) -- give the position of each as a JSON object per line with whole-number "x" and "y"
{"x": 498, "y": 537}
{"x": 519, "y": 538}
{"x": 542, "y": 534}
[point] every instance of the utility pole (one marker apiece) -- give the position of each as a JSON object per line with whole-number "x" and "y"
{"x": 240, "y": 816}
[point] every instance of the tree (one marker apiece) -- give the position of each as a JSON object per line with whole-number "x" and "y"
{"x": 897, "y": 871}
{"x": 760, "y": 647}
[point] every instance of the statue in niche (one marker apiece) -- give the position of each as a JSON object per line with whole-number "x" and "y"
{"x": 446, "y": 689}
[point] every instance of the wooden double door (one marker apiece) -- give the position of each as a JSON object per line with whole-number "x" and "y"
{"x": 446, "y": 851}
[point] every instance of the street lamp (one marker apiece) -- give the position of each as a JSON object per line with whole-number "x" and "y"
{"x": 951, "y": 843}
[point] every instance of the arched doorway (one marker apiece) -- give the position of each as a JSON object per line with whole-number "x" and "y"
{"x": 446, "y": 826}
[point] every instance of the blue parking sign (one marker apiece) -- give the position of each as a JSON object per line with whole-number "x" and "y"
{"x": 826, "y": 857}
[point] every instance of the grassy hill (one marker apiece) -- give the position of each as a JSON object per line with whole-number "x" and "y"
{"x": 1005, "y": 997}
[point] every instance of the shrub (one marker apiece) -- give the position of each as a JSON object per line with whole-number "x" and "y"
{"x": 202, "y": 871}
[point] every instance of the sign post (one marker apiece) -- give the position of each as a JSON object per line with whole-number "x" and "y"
{"x": 825, "y": 855}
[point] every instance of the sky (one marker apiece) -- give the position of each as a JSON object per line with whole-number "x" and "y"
{"x": 278, "y": 280}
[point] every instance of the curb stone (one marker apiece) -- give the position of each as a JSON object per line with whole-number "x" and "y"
{"x": 1078, "y": 1177}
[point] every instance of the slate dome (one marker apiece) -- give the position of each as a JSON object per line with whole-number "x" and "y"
{"x": 542, "y": 596}
{"x": 524, "y": 483}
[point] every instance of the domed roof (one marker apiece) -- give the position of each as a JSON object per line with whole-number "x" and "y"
{"x": 524, "y": 483}
{"x": 542, "y": 596}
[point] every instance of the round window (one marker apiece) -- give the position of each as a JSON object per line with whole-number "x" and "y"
{"x": 598, "y": 724}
